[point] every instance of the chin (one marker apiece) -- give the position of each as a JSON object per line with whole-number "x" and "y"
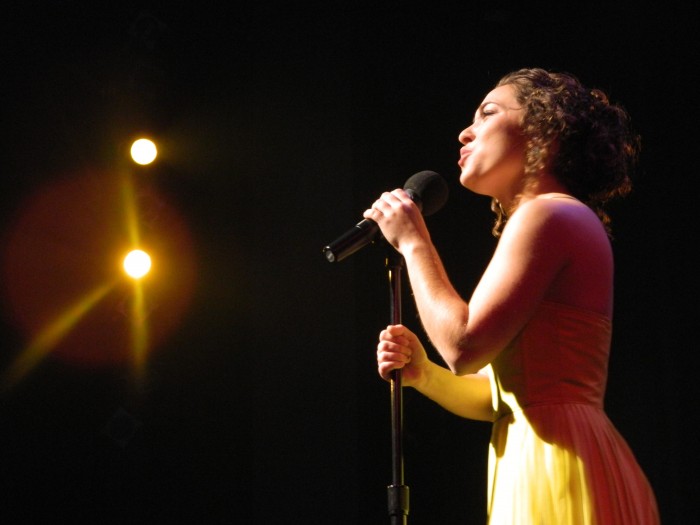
{"x": 469, "y": 182}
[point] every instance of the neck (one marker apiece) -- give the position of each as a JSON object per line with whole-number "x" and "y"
{"x": 544, "y": 186}
{"x": 555, "y": 195}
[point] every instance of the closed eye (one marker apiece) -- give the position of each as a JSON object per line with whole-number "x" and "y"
{"x": 484, "y": 111}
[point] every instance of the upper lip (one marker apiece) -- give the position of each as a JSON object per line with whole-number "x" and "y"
{"x": 464, "y": 152}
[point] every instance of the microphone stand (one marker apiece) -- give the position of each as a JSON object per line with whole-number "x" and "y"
{"x": 397, "y": 492}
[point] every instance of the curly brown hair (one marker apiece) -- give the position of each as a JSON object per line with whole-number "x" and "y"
{"x": 587, "y": 142}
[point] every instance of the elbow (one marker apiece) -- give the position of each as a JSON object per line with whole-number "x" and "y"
{"x": 461, "y": 351}
{"x": 463, "y": 363}
{"x": 465, "y": 360}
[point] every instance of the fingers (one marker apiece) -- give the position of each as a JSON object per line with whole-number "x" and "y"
{"x": 386, "y": 202}
{"x": 391, "y": 201}
{"x": 396, "y": 331}
{"x": 393, "y": 350}
{"x": 386, "y": 371}
{"x": 385, "y": 368}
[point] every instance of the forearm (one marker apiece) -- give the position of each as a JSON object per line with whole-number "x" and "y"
{"x": 466, "y": 396}
{"x": 443, "y": 313}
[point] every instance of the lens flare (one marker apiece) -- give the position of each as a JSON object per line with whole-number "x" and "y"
{"x": 63, "y": 272}
{"x": 143, "y": 151}
{"x": 137, "y": 264}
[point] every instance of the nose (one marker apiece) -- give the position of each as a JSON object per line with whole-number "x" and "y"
{"x": 466, "y": 135}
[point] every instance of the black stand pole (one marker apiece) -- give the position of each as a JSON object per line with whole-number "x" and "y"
{"x": 397, "y": 491}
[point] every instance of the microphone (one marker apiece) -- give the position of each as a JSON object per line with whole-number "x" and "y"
{"x": 427, "y": 190}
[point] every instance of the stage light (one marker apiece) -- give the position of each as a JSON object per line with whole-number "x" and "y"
{"x": 98, "y": 304}
{"x": 137, "y": 263}
{"x": 143, "y": 151}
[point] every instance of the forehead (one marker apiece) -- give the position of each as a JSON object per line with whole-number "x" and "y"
{"x": 504, "y": 95}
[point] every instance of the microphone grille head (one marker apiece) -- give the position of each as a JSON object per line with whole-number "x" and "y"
{"x": 429, "y": 190}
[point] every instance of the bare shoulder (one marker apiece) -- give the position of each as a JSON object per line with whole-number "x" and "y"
{"x": 567, "y": 237}
{"x": 567, "y": 218}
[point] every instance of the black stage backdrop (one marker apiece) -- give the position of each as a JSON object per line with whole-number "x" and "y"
{"x": 254, "y": 397}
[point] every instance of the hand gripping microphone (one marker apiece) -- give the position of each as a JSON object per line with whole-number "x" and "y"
{"x": 426, "y": 188}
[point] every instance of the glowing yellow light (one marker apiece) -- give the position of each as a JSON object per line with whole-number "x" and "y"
{"x": 51, "y": 335}
{"x": 137, "y": 263}
{"x": 143, "y": 151}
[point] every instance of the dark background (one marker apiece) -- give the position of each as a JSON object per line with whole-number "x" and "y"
{"x": 279, "y": 124}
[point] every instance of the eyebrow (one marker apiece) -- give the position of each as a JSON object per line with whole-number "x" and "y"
{"x": 481, "y": 108}
{"x": 486, "y": 103}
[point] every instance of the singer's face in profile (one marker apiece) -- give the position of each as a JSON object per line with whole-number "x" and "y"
{"x": 493, "y": 156}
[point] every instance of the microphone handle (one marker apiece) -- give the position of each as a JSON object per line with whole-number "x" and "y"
{"x": 363, "y": 233}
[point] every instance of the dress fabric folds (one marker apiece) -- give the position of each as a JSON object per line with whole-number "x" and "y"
{"x": 555, "y": 458}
